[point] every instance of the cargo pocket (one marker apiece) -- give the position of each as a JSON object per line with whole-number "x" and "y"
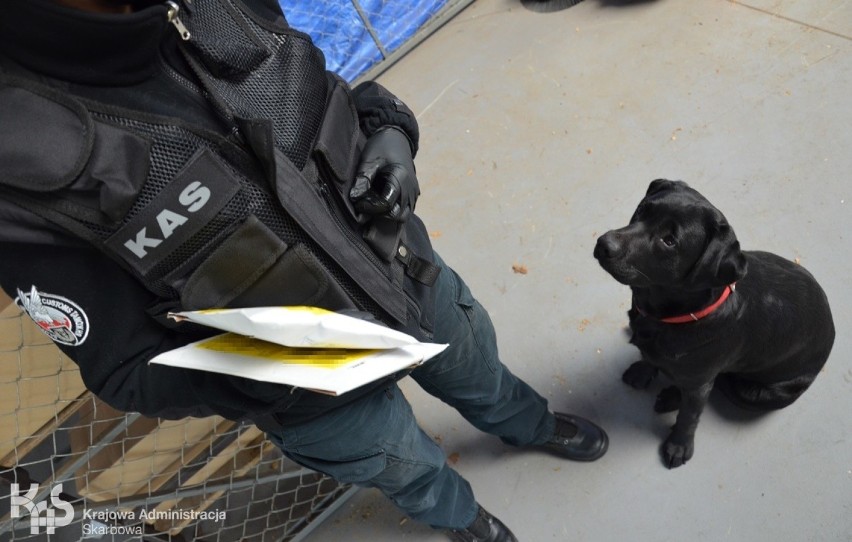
{"x": 50, "y": 144}
{"x": 47, "y": 137}
{"x": 481, "y": 328}
{"x": 339, "y": 145}
{"x": 254, "y": 267}
{"x": 114, "y": 175}
{"x": 353, "y": 471}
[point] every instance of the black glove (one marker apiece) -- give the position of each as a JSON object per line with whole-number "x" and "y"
{"x": 385, "y": 181}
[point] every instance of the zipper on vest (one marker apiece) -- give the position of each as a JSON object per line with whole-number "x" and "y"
{"x": 173, "y": 18}
{"x": 344, "y": 229}
{"x": 386, "y": 269}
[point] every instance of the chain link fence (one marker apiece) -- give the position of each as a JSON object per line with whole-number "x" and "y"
{"x": 73, "y": 468}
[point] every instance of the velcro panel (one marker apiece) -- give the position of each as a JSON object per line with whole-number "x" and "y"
{"x": 234, "y": 266}
{"x": 187, "y": 204}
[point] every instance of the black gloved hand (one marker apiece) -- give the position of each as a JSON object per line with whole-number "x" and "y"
{"x": 385, "y": 181}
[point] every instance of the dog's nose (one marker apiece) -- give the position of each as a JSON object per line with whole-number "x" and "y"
{"x": 607, "y": 247}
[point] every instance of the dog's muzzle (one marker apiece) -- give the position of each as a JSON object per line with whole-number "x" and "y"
{"x": 608, "y": 247}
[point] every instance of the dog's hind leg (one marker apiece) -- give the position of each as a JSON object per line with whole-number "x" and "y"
{"x": 640, "y": 375}
{"x": 752, "y": 395}
{"x": 668, "y": 400}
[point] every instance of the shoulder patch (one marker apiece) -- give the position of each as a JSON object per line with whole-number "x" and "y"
{"x": 58, "y": 317}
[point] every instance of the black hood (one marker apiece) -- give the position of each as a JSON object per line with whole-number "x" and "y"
{"x": 83, "y": 47}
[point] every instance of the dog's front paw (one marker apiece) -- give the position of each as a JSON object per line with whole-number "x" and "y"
{"x": 677, "y": 450}
{"x": 639, "y": 375}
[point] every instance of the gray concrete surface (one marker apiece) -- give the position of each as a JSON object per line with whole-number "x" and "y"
{"x": 542, "y": 131}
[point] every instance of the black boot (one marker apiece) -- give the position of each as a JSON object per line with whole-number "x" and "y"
{"x": 577, "y": 438}
{"x": 485, "y": 528}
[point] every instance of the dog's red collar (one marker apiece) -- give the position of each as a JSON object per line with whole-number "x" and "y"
{"x": 695, "y": 316}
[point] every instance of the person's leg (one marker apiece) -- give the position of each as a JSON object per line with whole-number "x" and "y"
{"x": 469, "y": 375}
{"x": 376, "y": 442}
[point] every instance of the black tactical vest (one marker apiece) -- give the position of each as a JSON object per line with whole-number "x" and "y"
{"x": 258, "y": 217}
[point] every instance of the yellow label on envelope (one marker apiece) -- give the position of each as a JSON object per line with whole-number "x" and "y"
{"x": 329, "y": 358}
{"x": 299, "y": 308}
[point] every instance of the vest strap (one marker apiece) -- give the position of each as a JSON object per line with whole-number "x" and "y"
{"x": 419, "y": 269}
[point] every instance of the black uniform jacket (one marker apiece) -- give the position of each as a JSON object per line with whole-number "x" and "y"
{"x": 119, "y": 59}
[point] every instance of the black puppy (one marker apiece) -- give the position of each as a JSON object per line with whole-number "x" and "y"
{"x": 705, "y": 312}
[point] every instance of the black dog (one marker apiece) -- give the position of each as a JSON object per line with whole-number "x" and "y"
{"x": 705, "y": 312}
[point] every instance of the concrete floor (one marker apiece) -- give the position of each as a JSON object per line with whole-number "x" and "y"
{"x": 542, "y": 131}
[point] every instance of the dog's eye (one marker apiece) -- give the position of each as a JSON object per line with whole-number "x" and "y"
{"x": 669, "y": 240}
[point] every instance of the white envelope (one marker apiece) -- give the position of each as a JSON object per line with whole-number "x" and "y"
{"x": 303, "y": 347}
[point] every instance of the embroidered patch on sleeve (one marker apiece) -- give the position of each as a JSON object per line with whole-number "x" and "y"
{"x": 58, "y": 317}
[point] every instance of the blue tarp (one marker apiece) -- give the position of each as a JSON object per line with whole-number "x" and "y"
{"x": 338, "y": 30}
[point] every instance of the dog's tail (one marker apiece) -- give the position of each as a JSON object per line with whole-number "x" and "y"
{"x": 751, "y": 395}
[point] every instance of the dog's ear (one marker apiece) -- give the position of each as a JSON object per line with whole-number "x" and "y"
{"x": 722, "y": 262}
{"x": 732, "y": 264}
{"x": 659, "y": 185}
